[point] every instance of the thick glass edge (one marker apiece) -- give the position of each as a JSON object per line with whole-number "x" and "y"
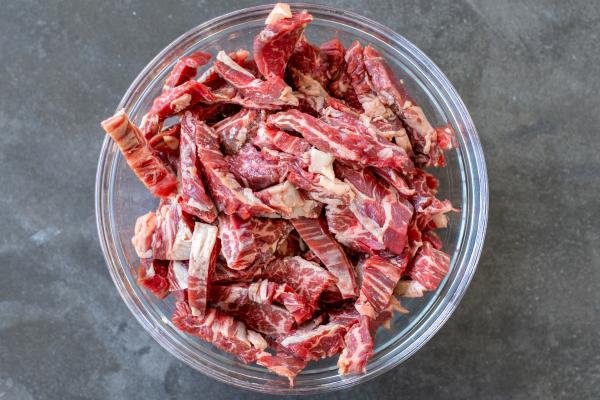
{"x": 477, "y": 178}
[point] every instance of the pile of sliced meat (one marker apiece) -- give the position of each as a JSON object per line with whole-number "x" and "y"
{"x": 294, "y": 205}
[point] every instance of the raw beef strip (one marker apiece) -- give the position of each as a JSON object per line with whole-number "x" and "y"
{"x": 237, "y": 241}
{"x": 283, "y": 364}
{"x": 222, "y": 330}
{"x": 433, "y": 238}
{"x": 152, "y": 274}
{"x": 429, "y": 266}
{"x": 275, "y": 43}
{"x": 223, "y": 274}
{"x": 211, "y": 78}
{"x": 396, "y": 180}
{"x": 352, "y": 124}
{"x": 272, "y": 92}
{"x": 315, "y": 234}
{"x": 269, "y": 234}
{"x": 257, "y": 170}
{"x": 150, "y": 125}
{"x": 307, "y": 60}
{"x": 307, "y": 278}
{"x": 283, "y": 141}
{"x": 293, "y": 302}
{"x": 358, "y": 348}
{"x": 385, "y": 317}
{"x": 434, "y": 213}
{"x": 157, "y": 177}
{"x": 166, "y": 144}
{"x": 321, "y": 342}
{"x": 344, "y": 145}
{"x": 346, "y": 315}
{"x": 186, "y": 69}
{"x": 142, "y": 238}
{"x": 289, "y": 202}
{"x": 178, "y": 275}
{"x": 203, "y": 255}
{"x": 423, "y": 136}
{"x": 376, "y": 219}
{"x": 263, "y": 317}
{"x": 230, "y": 197}
{"x": 172, "y": 238}
{"x": 179, "y": 98}
{"x": 380, "y": 276}
{"x": 235, "y": 130}
{"x": 355, "y": 67}
{"x": 195, "y": 201}
{"x": 320, "y": 188}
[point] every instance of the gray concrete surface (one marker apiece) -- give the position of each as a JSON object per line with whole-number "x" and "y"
{"x": 527, "y": 329}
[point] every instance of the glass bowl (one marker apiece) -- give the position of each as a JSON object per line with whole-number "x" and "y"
{"x": 120, "y": 198}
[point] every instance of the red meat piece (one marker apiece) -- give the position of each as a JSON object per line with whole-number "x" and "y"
{"x": 203, "y": 255}
{"x": 380, "y": 277}
{"x": 273, "y": 92}
{"x": 358, "y": 348}
{"x": 257, "y": 170}
{"x": 157, "y": 177}
{"x": 152, "y": 274}
{"x": 230, "y": 197}
{"x": 307, "y": 278}
{"x": 194, "y": 199}
{"x": 143, "y": 233}
{"x": 172, "y": 236}
{"x": 316, "y": 235}
{"x": 320, "y": 342}
{"x": 234, "y": 131}
{"x": 275, "y": 43}
{"x": 429, "y": 266}
{"x": 186, "y": 69}
{"x": 344, "y": 145}
{"x": 222, "y": 330}
{"x": 237, "y": 241}
{"x": 376, "y": 219}
{"x": 179, "y": 98}
{"x": 236, "y": 300}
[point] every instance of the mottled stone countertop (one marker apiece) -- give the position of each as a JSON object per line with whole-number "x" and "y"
{"x": 528, "y": 328}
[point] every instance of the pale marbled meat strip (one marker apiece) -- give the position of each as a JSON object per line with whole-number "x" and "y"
{"x": 429, "y": 266}
{"x": 230, "y": 197}
{"x": 179, "y": 98}
{"x": 380, "y": 277}
{"x": 257, "y": 169}
{"x": 275, "y": 43}
{"x": 344, "y": 145}
{"x": 152, "y": 274}
{"x": 320, "y": 342}
{"x": 155, "y": 175}
{"x": 289, "y": 202}
{"x": 222, "y": 330}
{"x": 376, "y": 219}
{"x": 143, "y": 233}
{"x": 178, "y": 275}
{"x": 263, "y": 317}
{"x": 316, "y": 235}
{"x": 186, "y": 69}
{"x": 423, "y": 135}
{"x": 172, "y": 237}
{"x": 235, "y": 130}
{"x": 203, "y": 254}
{"x": 272, "y": 92}
{"x": 358, "y": 348}
{"x": 194, "y": 198}
{"x": 307, "y": 278}
{"x": 237, "y": 241}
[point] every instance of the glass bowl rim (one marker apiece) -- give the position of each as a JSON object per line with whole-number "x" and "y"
{"x": 469, "y": 245}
